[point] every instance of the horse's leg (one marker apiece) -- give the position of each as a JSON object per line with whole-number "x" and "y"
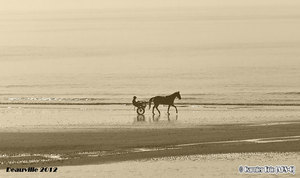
{"x": 169, "y": 109}
{"x": 175, "y": 108}
{"x": 153, "y": 110}
{"x": 157, "y": 109}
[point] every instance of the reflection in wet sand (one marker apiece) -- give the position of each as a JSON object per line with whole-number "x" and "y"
{"x": 155, "y": 118}
{"x": 140, "y": 118}
{"x": 169, "y": 117}
{"x": 39, "y": 116}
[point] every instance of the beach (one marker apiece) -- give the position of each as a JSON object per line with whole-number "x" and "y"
{"x": 212, "y": 165}
{"x": 111, "y": 145}
{"x": 148, "y": 140}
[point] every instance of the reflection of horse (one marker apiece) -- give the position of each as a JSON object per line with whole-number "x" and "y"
{"x": 164, "y": 100}
{"x": 157, "y": 118}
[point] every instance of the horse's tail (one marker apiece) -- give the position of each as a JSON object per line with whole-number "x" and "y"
{"x": 150, "y": 101}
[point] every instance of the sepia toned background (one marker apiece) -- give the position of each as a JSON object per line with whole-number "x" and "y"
{"x": 88, "y": 48}
{"x": 69, "y": 70}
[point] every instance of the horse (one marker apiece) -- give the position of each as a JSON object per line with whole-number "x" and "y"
{"x": 164, "y": 100}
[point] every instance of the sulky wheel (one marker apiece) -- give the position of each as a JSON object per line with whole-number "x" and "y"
{"x": 140, "y": 110}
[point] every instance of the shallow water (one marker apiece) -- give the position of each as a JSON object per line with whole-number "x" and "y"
{"x": 114, "y": 116}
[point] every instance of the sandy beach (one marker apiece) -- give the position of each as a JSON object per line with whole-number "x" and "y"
{"x": 57, "y": 147}
{"x": 210, "y": 151}
{"x": 211, "y": 165}
{"x": 28, "y": 140}
{"x": 113, "y": 141}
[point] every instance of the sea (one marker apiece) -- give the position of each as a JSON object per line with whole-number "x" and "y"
{"x": 215, "y": 56}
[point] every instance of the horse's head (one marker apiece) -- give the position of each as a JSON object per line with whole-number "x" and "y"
{"x": 178, "y": 95}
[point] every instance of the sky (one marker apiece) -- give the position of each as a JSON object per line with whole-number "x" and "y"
{"x": 40, "y": 5}
{"x": 64, "y": 37}
{"x": 219, "y": 32}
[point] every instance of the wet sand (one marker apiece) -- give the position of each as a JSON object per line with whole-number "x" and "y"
{"x": 211, "y": 165}
{"x": 28, "y": 118}
{"x": 58, "y": 147}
